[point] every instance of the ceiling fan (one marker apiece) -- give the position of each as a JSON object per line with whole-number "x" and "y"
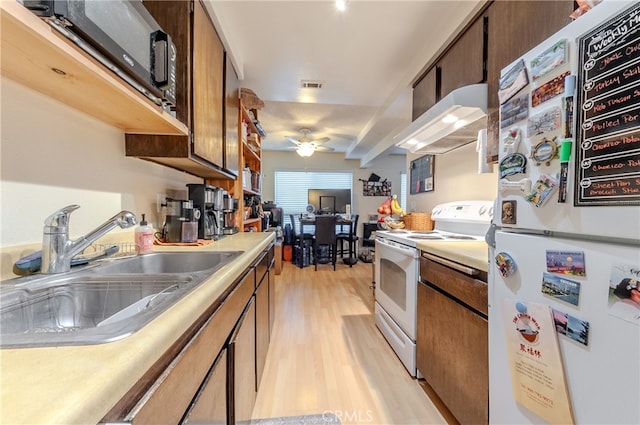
{"x": 306, "y": 146}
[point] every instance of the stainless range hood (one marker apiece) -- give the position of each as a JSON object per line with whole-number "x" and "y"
{"x": 452, "y": 122}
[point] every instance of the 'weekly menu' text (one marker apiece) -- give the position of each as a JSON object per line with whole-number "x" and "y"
{"x": 608, "y": 124}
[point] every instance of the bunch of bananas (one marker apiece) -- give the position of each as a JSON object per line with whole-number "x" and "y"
{"x": 395, "y": 206}
{"x": 393, "y": 224}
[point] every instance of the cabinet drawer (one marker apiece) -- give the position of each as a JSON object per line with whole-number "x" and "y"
{"x": 171, "y": 394}
{"x": 261, "y": 268}
{"x": 472, "y": 292}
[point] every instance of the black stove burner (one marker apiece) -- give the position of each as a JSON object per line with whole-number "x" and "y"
{"x": 460, "y": 237}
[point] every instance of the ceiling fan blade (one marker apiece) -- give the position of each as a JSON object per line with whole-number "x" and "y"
{"x": 324, "y": 149}
{"x": 320, "y": 140}
{"x": 293, "y": 140}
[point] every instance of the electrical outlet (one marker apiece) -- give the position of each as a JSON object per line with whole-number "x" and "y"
{"x": 161, "y": 199}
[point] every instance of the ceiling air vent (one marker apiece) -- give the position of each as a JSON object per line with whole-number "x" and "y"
{"x": 307, "y": 84}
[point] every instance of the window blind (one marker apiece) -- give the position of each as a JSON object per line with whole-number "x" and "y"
{"x": 291, "y": 188}
{"x": 403, "y": 191}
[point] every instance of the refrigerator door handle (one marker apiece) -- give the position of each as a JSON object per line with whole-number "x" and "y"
{"x": 490, "y": 236}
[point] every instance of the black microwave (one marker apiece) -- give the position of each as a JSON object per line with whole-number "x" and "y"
{"x": 123, "y": 36}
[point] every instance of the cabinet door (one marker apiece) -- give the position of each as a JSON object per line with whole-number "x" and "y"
{"x": 242, "y": 366}
{"x": 464, "y": 62}
{"x": 453, "y": 354}
{"x": 516, "y": 27}
{"x": 231, "y": 118}
{"x": 210, "y": 404}
{"x": 425, "y": 93}
{"x": 272, "y": 289}
{"x": 208, "y": 89}
{"x": 262, "y": 327}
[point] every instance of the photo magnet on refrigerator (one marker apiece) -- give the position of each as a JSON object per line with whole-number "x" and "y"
{"x": 508, "y": 212}
{"x": 571, "y": 327}
{"x": 549, "y": 60}
{"x": 542, "y": 190}
{"x": 514, "y": 163}
{"x": 511, "y": 141}
{"x": 624, "y": 292}
{"x": 566, "y": 262}
{"x": 506, "y": 265}
{"x": 560, "y": 288}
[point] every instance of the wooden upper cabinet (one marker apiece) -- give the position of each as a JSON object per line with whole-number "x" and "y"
{"x": 463, "y": 63}
{"x": 37, "y": 56}
{"x": 208, "y": 89}
{"x": 425, "y": 93}
{"x": 514, "y": 28}
{"x": 231, "y": 118}
{"x": 200, "y": 94}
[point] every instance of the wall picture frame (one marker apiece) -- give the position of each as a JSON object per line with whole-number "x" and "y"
{"x": 421, "y": 174}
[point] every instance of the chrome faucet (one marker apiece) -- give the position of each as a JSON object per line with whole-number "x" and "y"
{"x": 58, "y": 250}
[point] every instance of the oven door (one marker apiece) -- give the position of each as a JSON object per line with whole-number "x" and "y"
{"x": 397, "y": 283}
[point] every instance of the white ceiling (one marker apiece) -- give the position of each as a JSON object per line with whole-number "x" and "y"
{"x": 366, "y": 58}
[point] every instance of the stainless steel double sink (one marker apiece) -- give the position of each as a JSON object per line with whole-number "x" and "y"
{"x": 100, "y": 303}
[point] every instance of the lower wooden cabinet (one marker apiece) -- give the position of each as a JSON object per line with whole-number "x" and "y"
{"x": 211, "y": 377}
{"x": 210, "y": 404}
{"x": 242, "y": 366}
{"x": 273, "y": 271}
{"x": 262, "y": 326}
{"x": 452, "y": 354}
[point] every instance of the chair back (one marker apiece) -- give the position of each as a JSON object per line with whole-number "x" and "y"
{"x": 354, "y": 227}
{"x": 295, "y": 226}
{"x": 325, "y": 229}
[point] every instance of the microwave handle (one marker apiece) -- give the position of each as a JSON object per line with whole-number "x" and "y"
{"x": 160, "y": 45}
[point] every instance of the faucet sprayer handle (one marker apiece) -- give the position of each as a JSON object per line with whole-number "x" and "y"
{"x": 59, "y": 221}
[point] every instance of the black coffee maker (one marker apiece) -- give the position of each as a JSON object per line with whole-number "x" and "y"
{"x": 208, "y": 199}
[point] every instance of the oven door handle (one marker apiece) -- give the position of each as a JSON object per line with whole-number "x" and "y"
{"x": 459, "y": 267}
{"x": 413, "y": 252}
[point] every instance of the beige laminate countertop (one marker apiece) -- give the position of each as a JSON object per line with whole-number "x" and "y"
{"x": 471, "y": 253}
{"x": 80, "y": 384}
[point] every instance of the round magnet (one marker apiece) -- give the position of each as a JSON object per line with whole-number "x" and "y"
{"x": 505, "y": 264}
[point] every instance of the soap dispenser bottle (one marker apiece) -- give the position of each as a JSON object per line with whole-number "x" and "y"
{"x": 144, "y": 237}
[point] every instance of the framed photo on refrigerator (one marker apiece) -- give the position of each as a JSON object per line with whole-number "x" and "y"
{"x": 421, "y": 174}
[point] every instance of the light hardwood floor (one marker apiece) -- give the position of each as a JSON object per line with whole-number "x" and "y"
{"x": 327, "y": 356}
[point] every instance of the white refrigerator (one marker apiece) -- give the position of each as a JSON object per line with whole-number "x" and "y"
{"x": 564, "y": 297}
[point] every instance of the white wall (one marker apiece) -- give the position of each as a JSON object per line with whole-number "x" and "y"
{"x": 53, "y": 156}
{"x": 387, "y": 168}
{"x": 455, "y": 178}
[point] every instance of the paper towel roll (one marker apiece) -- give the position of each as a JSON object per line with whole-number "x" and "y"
{"x": 481, "y": 149}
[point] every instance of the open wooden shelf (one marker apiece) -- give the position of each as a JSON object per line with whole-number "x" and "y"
{"x": 36, "y": 56}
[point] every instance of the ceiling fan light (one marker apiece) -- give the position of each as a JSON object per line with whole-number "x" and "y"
{"x": 305, "y": 149}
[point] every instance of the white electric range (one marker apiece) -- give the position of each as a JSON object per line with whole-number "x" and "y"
{"x": 397, "y": 269}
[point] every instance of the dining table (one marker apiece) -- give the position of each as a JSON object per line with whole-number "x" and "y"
{"x": 343, "y": 223}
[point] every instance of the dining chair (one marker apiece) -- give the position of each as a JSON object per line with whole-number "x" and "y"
{"x": 351, "y": 238}
{"x": 325, "y": 234}
{"x": 296, "y": 229}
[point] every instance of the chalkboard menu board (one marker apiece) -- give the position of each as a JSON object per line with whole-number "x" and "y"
{"x": 421, "y": 175}
{"x": 608, "y": 121}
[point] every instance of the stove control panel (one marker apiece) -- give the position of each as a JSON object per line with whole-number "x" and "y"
{"x": 481, "y": 211}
